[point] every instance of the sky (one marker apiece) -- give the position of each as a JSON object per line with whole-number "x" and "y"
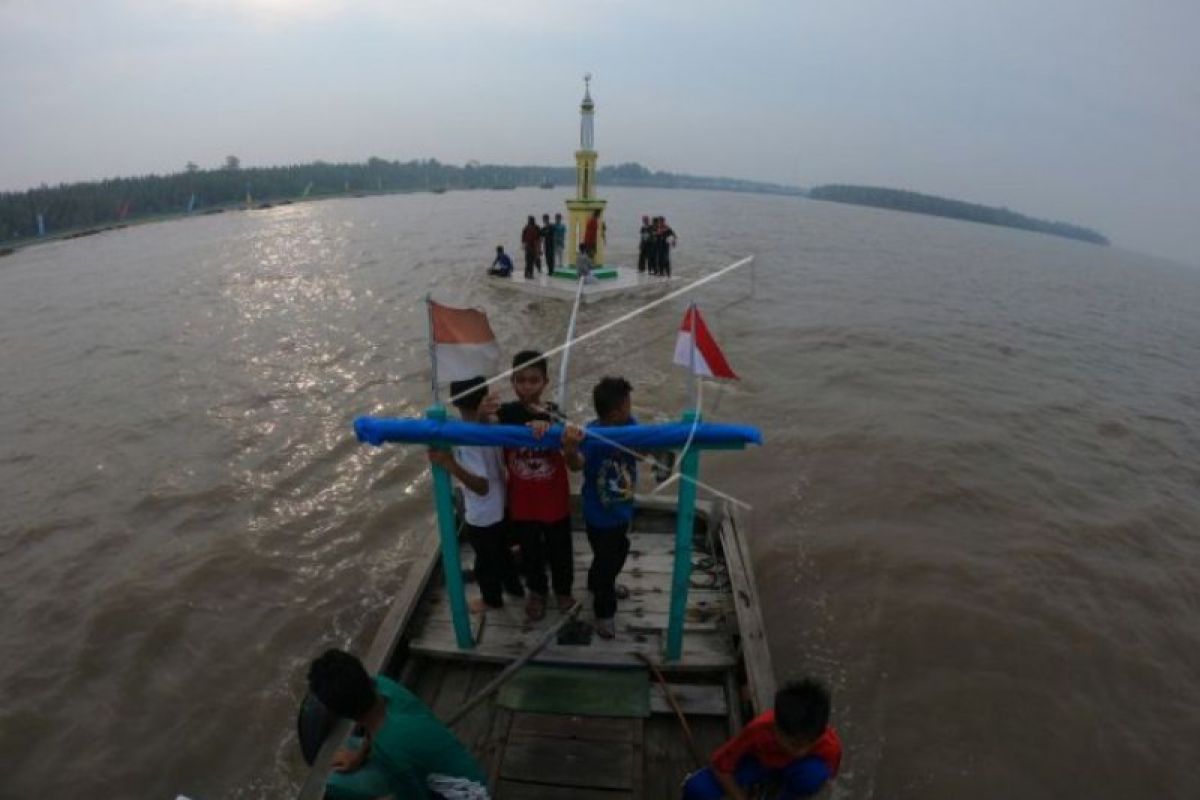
{"x": 1086, "y": 111}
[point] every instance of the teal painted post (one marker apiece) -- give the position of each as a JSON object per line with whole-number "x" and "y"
{"x": 451, "y": 567}
{"x": 685, "y": 516}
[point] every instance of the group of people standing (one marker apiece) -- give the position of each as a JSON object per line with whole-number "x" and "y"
{"x": 545, "y": 241}
{"x": 655, "y": 240}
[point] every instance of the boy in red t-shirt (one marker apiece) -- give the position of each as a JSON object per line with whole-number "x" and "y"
{"x": 791, "y": 746}
{"x": 539, "y": 494}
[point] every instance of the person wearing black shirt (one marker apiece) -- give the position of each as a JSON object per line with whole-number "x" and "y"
{"x": 547, "y": 234}
{"x": 645, "y": 241}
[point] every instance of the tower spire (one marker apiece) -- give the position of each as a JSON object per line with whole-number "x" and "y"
{"x": 587, "y": 110}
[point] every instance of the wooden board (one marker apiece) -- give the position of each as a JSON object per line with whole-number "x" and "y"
{"x": 760, "y": 672}
{"x": 516, "y": 790}
{"x": 701, "y": 651}
{"x": 700, "y": 699}
{"x": 568, "y": 763}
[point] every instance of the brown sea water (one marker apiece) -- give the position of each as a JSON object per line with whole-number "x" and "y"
{"x": 977, "y": 514}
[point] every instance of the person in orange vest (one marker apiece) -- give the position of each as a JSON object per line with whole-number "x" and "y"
{"x": 791, "y": 747}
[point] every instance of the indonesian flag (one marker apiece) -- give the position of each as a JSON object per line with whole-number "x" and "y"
{"x": 707, "y": 360}
{"x": 463, "y": 343}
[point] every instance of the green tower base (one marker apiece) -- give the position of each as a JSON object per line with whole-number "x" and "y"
{"x": 600, "y": 273}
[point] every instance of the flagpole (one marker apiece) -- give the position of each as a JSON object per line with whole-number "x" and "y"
{"x": 692, "y": 356}
{"x": 443, "y": 501}
{"x": 432, "y": 346}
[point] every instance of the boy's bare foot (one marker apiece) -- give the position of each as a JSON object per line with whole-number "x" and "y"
{"x": 535, "y": 606}
{"x": 605, "y": 628}
{"x": 565, "y": 602}
{"x": 478, "y": 605}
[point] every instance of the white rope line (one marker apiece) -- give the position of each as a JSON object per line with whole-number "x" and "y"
{"x": 612, "y": 324}
{"x": 677, "y": 471}
{"x": 562, "y": 368}
{"x": 645, "y": 459}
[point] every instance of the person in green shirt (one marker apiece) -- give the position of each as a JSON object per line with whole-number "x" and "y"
{"x": 405, "y": 752}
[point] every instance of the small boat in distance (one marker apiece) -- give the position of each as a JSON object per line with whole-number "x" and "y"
{"x": 504, "y": 187}
{"x": 546, "y": 184}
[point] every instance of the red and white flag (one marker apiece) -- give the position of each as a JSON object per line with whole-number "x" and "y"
{"x": 696, "y": 349}
{"x": 463, "y": 343}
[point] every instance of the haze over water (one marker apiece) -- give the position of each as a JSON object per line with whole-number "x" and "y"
{"x": 977, "y": 513}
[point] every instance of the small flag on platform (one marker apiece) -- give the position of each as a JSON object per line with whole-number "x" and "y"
{"x": 707, "y": 359}
{"x": 463, "y": 343}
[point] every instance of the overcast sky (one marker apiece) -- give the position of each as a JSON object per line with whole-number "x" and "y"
{"x": 1081, "y": 110}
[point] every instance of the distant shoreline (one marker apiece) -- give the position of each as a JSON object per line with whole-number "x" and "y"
{"x": 932, "y": 205}
{"x": 71, "y": 211}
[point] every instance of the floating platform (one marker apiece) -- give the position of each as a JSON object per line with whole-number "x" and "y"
{"x": 614, "y": 282}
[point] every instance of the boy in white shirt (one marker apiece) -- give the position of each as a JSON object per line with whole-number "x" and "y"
{"x": 480, "y": 470}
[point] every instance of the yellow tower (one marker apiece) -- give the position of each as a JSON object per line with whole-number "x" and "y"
{"x": 586, "y": 204}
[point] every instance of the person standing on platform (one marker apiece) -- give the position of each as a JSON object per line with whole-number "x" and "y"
{"x": 480, "y": 470}
{"x": 666, "y": 239}
{"x": 539, "y": 492}
{"x": 645, "y": 243}
{"x": 547, "y": 234}
{"x": 560, "y": 240}
{"x": 591, "y": 233}
{"x": 530, "y": 238}
{"x": 609, "y": 481}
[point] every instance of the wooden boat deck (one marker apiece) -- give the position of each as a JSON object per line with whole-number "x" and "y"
{"x": 543, "y": 756}
{"x": 504, "y": 634}
{"x": 724, "y": 675}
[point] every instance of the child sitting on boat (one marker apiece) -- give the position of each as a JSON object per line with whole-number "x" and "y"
{"x": 404, "y": 752}
{"x": 480, "y": 470}
{"x": 539, "y": 494}
{"x": 791, "y": 747}
{"x": 609, "y": 481}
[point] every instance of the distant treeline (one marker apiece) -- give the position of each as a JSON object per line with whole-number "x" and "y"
{"x": 943, "y": 207}
{"x": 78, "y": 206}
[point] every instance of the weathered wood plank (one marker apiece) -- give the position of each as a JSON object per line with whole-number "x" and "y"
{"x": 760, "y": 673}
{"x": 568, "y": 763}
{"x": 693, "y": 698}
{"x": 593, "y": 729}
{"x": 701, "y": 650}
{"x": 516, "y": 790}
{"x": 706, "y": 610}
{"x": 493, "y": 753}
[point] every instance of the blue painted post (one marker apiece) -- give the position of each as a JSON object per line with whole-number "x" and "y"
{"x": 685, "y": 516}
{"x": 451, "y": 566}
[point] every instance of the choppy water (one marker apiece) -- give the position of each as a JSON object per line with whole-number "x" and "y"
{"x": 978, "y": 513}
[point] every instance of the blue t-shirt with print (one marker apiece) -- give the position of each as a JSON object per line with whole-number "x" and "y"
{"x": 609, "y": 480}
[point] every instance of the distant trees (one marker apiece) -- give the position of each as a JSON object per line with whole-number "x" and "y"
{"x": 900, "y": 200}
{"x": 86, "y": 205}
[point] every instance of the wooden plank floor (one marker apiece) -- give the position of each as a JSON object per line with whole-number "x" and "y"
{"x": 641, "y": 619}
{"x": 543, "y": 756}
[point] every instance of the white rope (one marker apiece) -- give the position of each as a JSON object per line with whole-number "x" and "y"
{"x": 619, "y": 320}
{"x": 645, "y": 459}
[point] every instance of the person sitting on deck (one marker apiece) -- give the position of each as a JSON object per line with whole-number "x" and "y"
{"x": 405, "y": 752}
{"x": 480, "y": 470}
{"x": 502, "y": 267}
{"x": 583, "y": 265}
{"x": 539, "y": 493}
{"x": 609, "y": 481}
{"x": 791, "y": 746}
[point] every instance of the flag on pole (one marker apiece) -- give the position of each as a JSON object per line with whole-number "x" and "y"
{"x": 463, "y": 343}
{"x": 696, "y": 349}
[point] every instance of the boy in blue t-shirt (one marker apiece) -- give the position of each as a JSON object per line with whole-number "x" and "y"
{"x": 609, "y": 481}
